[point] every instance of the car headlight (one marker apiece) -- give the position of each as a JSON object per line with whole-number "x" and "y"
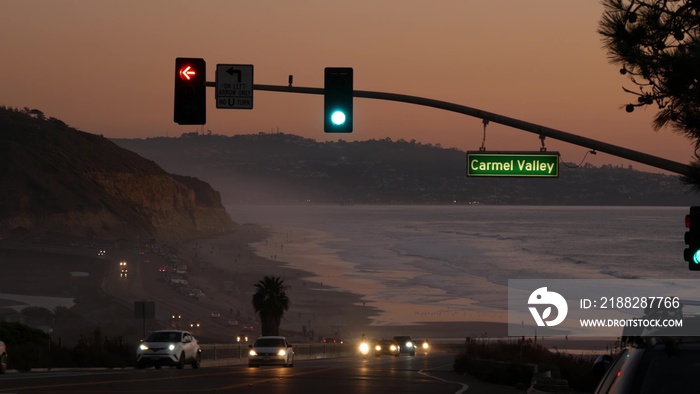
{"x": 252, "y": 353}
{"x": 378, "y": 348}
{"x": 409, "y": 344}
{"x": 282, "y": 352}
{"x": 143, "y": 347}
{"x": 393, "y": 348}
{"x": 171, "y": 347}
{"x": 425, "y": 345}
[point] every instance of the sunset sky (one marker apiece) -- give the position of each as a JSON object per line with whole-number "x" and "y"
{"x": 106, "y": 67}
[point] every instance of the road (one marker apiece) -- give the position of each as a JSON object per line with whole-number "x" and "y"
{"x": 145, "y": 282}
{"x": 420, "y": 374}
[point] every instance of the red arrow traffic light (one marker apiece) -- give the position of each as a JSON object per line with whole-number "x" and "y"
{"x": 186, "y": 73}
{"x": 190, "y": 91}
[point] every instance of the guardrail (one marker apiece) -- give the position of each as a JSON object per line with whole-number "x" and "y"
{"x": 237, "y": 353}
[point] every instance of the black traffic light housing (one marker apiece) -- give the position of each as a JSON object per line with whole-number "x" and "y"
{"x": 692, "y": 239}
{"x": 337, "y": 100}
{"x": 190, "y": 91}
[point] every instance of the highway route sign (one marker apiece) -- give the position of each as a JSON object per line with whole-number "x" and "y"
{"x": 234, "y": 86}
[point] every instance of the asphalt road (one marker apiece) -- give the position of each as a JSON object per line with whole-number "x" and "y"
{"x": 420, "y": 374}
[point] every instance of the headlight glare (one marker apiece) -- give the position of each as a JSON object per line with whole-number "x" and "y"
{"x": 252, "y": 353}
{"x": 282, "y": 352}
{"x": 171, "y": 347}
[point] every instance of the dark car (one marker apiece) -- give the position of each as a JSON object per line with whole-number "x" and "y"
{"x": 656, "y": 365}
{"x": 405, "y": 344}
{"x": 387, "y": 347}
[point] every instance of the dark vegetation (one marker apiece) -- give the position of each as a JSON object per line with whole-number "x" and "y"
{"x": 277, "y": 167}
{"x": 513, "y": 362}
{"x": 656, "y": 44}
{"x": 30, "y": 348}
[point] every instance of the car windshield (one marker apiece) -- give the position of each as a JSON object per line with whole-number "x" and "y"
{"x": 668, "y": 370}
{"x": 269, "y": 342}
{"x": 164, "y": 336}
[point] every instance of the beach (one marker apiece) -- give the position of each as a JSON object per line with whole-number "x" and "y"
{"x": 327, "y": 295}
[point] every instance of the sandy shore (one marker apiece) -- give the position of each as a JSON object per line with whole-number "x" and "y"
{"x": 326, "y": 295}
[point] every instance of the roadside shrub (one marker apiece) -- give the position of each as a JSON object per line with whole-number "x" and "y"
{"x": 27, "y": 347}
{"x": 30, "y": 348}
{"x": 513, "y": 363}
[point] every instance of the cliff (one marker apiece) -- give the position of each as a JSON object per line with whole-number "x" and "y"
{"x": 59, "y": 180}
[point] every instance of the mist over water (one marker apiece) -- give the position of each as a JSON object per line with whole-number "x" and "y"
{"x": 459, "y": 258}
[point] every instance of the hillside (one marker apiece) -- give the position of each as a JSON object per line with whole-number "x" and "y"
{"x": 58, "y": 180}
{"x": 272, "y": 168}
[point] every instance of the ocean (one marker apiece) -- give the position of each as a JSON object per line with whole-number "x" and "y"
{"x": 444, "y": 262}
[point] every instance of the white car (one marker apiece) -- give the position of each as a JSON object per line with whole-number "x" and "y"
{"x": 169, "y": 347}
{"x": 3, "y": 358}
{"x": 271, "y": 350}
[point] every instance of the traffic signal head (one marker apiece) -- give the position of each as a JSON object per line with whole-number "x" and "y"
{"x": 337, "y": 100}
{"x": 692, "y": 239}
{"x": 190, "y": 91}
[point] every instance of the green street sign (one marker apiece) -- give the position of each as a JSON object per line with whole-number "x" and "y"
{"x": 513, "y": 164}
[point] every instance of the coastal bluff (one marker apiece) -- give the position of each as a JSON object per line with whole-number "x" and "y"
{"x": 57, "y": 180}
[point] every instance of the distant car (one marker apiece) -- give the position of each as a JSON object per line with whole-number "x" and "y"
{"x": 422, "y": 345}
{"x": 247, "y": 327}
{"x": 215, "y": 314}
{"x": 387, "y": 347}
{"x": 232, "y": 322}
{"x": 271, "y": 350}
{"x": 3, "y": 357}
{"x": 169, "y": 347}
{"x": 405, "y": 345}
{"x": 162, "y": 268}
{"x": 176, "y": 321}
{"x": 666, "y": 365}
{"x": 329, "y": 340}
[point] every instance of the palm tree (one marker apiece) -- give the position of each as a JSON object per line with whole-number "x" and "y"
{"x": 270, "y": 302}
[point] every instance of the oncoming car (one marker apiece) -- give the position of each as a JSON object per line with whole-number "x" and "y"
{"x": 386, "y": 347}
{"x": 422, "y": 345}
{"x": 270, "y": 350}
{"x": 405, "y": 344}
{"x": 169, "y": 347}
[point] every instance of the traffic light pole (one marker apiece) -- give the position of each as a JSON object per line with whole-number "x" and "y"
{"x": 542, "y": 131}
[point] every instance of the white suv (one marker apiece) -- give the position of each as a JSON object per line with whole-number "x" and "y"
{"x": 3, "y": 357}
{"x": 169, "y": 347}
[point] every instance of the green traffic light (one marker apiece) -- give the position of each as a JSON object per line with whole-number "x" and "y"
{"x": 696, "y": 257}
{"x": 338, "y": 118}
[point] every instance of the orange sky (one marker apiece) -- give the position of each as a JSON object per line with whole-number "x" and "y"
{"x": 106, "y": 67}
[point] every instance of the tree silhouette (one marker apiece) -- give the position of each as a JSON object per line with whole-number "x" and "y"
{"x": 270, "y": 302}
{"x": 656, "y": 44}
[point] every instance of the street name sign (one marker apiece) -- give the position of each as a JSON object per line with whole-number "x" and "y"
{"x": 513, "y": 164}
{"x": 234, "y": 86}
